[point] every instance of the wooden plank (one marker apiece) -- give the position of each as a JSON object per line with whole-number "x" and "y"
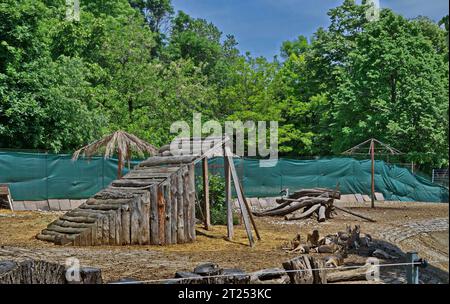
{"x": 149, "y": 181}
{"x": 161, "y": 214}
{"x": 112, "y": 227}
{"x": 168, "y": 213}
{"x": 180, "y": 209}
{"x": 136, "y": 183}
{"x": 154, "y": 229}
{"x": 77, "y": 240}
{"x": 186, "y": 210}
{"x": 161, "y": 160}
{"x": 174, "y": 211}
{"x": 146, "y": 175}
{"x": 191, "y": 179}
{"x": 156, "y": 169}
{"x": 230, "y": 228}
{"x": 94, "y": 239}
{"x": 105, "y": 230}
{"x": 134, "y": 222}
{"x": 118, "y": 215}
{"x": 206, "y": 207}
{"x": 244, "y": 211}
{"x": 145, "y": 219}
{"x": 83, "y": 240}
{"x": 125, "y": 221}
{"x": 98, "y": 237}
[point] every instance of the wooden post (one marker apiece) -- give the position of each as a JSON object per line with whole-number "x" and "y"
{"x": 244, "y": 210}
{"x": 180, "y": 208}
{"x": 412, "y": 271}
{"x": 372, "y": 155}
{"x": 192, "y": 201}
{"x": 119, "y": 164}
{"x": 206, "y": 193}
{"x": 228, "y": 202}
{"x": 168, "y": 213}
{"x": 161, "y": 214}
{"x": 247, "y": 205}
{"x": 174, "y": 195}
{"x": 154, "y": 228}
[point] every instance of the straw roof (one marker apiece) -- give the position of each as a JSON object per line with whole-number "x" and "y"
{"x": 119, "y": 141}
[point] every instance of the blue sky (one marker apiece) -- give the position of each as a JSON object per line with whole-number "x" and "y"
{"x": 260, "y": 26}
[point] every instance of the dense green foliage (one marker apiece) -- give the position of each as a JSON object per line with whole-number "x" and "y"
{"x": 138, "y": 66}
{"x": 218, "y": 208}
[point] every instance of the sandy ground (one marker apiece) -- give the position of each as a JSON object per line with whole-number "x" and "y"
{"x": 422, "y": 227}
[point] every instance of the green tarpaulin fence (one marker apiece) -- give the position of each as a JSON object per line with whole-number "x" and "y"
{"x": 354, "y": 176}
{"x": 34, "y": 176}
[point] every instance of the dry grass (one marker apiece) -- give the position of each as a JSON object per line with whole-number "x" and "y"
{"x": 156, "y": 262}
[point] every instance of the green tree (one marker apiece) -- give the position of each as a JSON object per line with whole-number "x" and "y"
{"x": 393, "y": 87}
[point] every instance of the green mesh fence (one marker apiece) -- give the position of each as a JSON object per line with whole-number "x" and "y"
{"x": 34, "y": 176}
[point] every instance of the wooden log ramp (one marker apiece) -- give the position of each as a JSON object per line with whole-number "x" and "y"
{"x": 153, "y": 204}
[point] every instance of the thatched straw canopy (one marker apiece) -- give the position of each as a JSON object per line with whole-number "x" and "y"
{"x": 122, "y": 142}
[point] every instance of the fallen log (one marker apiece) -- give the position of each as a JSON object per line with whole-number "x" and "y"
{"x": 314, "y": 192}
{"x": 321, "y": 213}
{"x": 72, "y": 224}
{"x": 293, "y": 207}
{"x": 357, "y": 274}
{"x": 78, "y": 219}
{"x": 294, "y": 216}
{"x": 299, "y": 270}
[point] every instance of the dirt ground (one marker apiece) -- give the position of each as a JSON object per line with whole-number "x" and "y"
{"x": 410, "y": 226}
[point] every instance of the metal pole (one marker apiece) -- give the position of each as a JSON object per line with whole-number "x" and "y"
{"x": 372, "y": 155}
{"x": 412, "y": 270}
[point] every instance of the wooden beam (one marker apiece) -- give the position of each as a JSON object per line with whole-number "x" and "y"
{"x": 206, "y": 193}
{"x": 245, "y": 216}
{"x": 372, "y": 156}
{"x": 247, "y": 205}
{"x": 230, "y": 228}
{"x": 170, "y": 160}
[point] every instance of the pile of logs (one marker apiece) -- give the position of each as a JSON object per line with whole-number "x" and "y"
{"x": 317, "y": 269}
{"x": 339, "y": 244}
{"x": 305, "y": 203}
{"x": 306, "y": 269}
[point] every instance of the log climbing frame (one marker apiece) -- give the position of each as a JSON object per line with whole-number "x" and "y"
{"x": 155, "y": 202}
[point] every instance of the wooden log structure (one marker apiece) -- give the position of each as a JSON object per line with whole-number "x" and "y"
{"x": 152, "y": 204}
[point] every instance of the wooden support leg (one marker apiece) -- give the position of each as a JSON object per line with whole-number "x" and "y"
{"x": 10, "y": 203}
{"x": 244, "y": 210}
{"x": 247, "y": 205}
{"x": 206, "y": 193}
{"x": 228, "y": 202}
